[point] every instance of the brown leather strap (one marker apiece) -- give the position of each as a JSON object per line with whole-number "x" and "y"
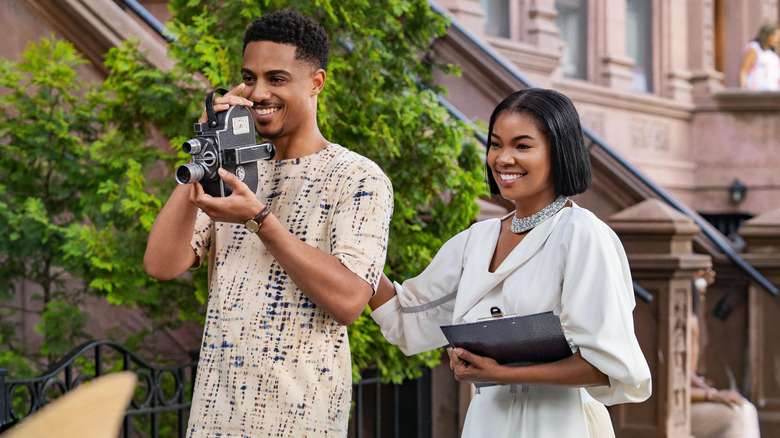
{"x": 262, "y": 215}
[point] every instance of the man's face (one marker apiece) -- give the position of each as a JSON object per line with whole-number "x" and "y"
{"x": 283, "y": 89}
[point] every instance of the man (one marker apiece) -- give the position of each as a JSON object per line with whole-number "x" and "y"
{"x": 290, "y": 266}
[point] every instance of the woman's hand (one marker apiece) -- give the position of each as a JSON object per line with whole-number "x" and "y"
{"x": 571, "y": 371}
{"x": 726, "y": 396}
{"x": 469, "y": 367}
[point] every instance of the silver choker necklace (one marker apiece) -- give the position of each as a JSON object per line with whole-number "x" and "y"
{"x": 521, "y": 225}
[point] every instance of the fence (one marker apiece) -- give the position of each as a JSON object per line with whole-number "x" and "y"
{"x": 159, "y": 407}
{"x": 161, "y": 402}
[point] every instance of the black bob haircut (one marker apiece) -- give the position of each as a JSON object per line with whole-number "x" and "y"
{"x": 556, "y": 118}
{"x": 290, "y": 27}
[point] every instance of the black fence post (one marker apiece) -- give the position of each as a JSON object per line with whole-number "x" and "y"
{"x": 4, "y": 400}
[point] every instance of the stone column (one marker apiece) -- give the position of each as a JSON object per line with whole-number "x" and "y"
{"x": 613, "y": 66}
{"x": 675, "y": 78}
{"x": 705, "y": 79}
{"x": 538, "y": 25}
{"x": 658, "y": 240}
{"x": 762, "y": 250}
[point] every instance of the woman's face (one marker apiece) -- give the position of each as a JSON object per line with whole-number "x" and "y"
{"x": 520, "y": 160}
{"x": 774, "y": 39}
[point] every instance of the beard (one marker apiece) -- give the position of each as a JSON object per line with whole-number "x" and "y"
{"x": 270, "y": 135}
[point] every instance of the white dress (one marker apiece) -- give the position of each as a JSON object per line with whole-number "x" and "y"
{"x": 572, "y": 264}
{"x": 764, "y": 74}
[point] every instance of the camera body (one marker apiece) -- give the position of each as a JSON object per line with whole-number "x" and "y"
{"x": 228, "y": 141}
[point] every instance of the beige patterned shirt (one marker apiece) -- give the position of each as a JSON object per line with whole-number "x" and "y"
{"x": 273, "y": 364}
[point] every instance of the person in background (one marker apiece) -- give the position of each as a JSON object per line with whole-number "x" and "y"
{"x": 761, "y": 64}
{"x": 715, "y": 413}
{"x": 549, "y": 254}
{"x": 289, "y": 266}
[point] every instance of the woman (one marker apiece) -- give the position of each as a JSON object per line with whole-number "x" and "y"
{"x": 550, "y": 254}
{"x": 715, "y": 413}
{"x": 761, "y": 65}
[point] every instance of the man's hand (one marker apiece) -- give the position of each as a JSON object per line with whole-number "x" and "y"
{"x": 231, "y": 98}
{"x": 237, "y": 208}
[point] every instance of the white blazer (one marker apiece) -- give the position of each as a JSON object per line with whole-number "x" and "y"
{"x": 572, "y": 264}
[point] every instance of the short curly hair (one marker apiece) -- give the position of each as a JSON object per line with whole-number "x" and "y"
{"x": 290, "y": 27}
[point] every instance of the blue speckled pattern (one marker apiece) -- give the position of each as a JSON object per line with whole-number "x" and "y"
{"x": 272, "y": 364}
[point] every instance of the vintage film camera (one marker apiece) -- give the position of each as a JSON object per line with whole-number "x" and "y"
{"x": 227, "y": 140}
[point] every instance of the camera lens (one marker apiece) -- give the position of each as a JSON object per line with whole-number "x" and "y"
{"x": 193, "y": 146}
{"x": 189, "y": 173}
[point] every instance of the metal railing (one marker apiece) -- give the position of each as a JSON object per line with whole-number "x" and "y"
{"x": 161, "y": 400}
{"x": 163, "y": 396}
{"x": 382, "y": 410}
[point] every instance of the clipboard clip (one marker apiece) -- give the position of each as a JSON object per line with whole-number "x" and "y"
{"x": 495, "y": 312}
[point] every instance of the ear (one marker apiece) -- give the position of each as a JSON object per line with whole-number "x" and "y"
{"x": 317, "y": 81}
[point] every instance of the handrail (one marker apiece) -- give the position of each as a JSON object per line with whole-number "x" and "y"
{"x": 148, "y": 18}
{"x": 705, "y": 227}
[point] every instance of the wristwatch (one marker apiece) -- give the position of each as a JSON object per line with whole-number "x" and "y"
{"x": 254, "y": 223}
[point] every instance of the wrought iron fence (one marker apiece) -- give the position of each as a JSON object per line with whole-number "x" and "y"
{"x": 159, "y": 407}
{"x": 161, "y": 402}
{"x": 383, "y": 410}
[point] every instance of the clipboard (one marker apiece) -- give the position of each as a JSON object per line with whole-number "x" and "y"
{"x": 512, "y": 340}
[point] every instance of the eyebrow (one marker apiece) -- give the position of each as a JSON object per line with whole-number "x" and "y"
{"x": 268, "y": 73}
{"x": 518, "y": 138}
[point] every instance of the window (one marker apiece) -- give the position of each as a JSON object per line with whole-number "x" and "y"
{"x": 496, "y": 17}
{"x": 639, "y": 43}
{"x": 572, "y": 22}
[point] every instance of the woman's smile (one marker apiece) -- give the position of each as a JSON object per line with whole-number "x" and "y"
{"x": 506, "y": 178}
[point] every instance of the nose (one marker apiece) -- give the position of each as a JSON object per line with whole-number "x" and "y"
{"x": 504, "y": 157}
{"x": 258, "y": 92}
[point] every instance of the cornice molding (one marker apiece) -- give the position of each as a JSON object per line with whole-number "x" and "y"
{"x": 95, "y": 26}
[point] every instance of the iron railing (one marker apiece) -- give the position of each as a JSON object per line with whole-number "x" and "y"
{"x": 383, "y": 410}
{"x": 161, "y": 400}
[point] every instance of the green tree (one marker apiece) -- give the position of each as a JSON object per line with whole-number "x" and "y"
{"x": 76, "y": 203}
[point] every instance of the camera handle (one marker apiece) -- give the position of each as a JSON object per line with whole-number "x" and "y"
{"x": 210, "y": 106}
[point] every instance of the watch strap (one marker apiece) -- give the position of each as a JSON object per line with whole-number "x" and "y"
{"x": 260, "y": 217}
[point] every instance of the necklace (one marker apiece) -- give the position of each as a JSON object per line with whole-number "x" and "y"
{"x": 521, "y": 225}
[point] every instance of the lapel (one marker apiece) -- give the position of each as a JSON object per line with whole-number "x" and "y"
{"x": 477, "y": 281}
